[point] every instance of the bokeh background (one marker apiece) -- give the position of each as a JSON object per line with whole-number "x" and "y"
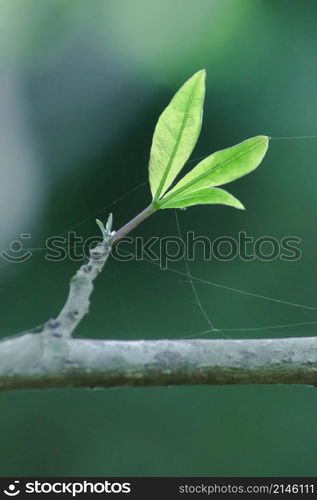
{"x": 81, "y": 87}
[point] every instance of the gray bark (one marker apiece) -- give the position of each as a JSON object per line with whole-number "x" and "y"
{"x": 52, "y": 359}
{"x": 40, "y": 361}
{"x": 81, "y": 287}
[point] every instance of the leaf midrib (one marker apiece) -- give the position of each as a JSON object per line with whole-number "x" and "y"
{"x": 177, "y": 143}
{"x": 194, "y": 194}
{"x": 191, "y": 183}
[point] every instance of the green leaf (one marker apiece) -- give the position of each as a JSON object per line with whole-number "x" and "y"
{"x": 220, "y": 168}
{"x": 203, "y": 196}
{"x": 176, "y": 134}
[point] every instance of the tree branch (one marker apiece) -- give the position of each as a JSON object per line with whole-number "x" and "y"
{"x": 52, "y": 359}
{"x": 81, "y": 288}
{"x": 40, "y": 361}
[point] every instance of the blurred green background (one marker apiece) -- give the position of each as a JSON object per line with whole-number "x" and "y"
{"x": 81, "y": 87}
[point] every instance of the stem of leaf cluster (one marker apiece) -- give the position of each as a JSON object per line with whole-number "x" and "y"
{"x": 127, "y": 228}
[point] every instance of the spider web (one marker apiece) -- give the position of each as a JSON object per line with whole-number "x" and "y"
{"x": 195, "y": 281}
